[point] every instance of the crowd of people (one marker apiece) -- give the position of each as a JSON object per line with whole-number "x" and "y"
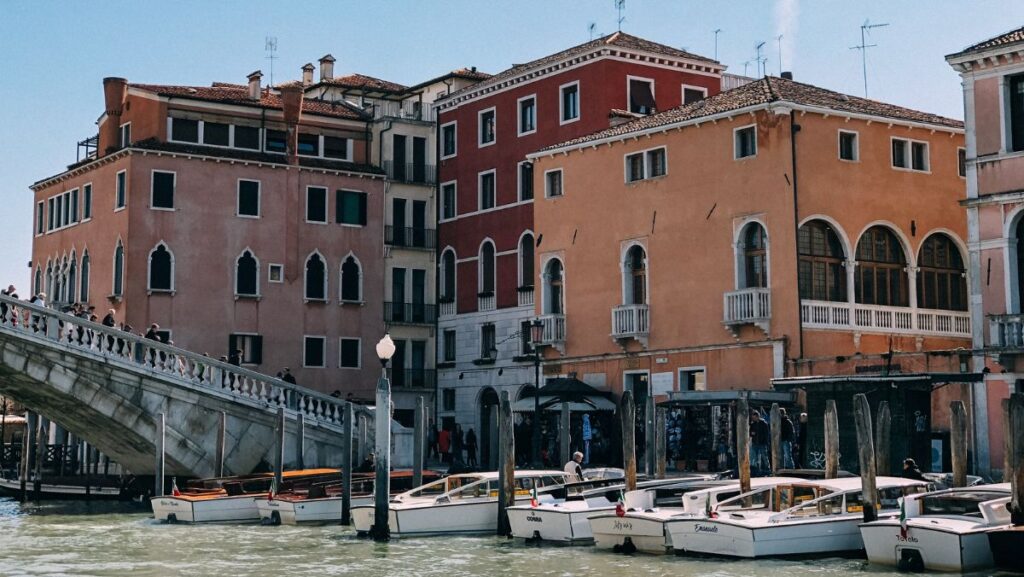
{"x": 452, "y": 446}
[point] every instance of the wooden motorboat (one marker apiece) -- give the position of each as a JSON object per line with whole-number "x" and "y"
{"x": 1007, "y": 544}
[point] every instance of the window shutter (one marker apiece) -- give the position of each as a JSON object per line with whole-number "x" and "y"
{"x": 362, "y": 209}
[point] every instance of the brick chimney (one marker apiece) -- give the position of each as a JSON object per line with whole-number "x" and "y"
{"x": 115, "y": 93}
{"x": 254, "y": 85}
{"x": 307, "y": 74}
{"x": 326, "y": 67}
{"x": 291, "y": 103}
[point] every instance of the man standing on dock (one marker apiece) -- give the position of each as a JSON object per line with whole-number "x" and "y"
{"x": 573, "y": 469}
{"x": 760, "y": 436}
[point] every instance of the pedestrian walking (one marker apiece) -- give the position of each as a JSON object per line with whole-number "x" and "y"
{"x": 786, "y": 436}
{"x": 801, "y": 439}
{"x": 760, "y": 436}
{"x": 444, "y": 439}
{"x": 288, "y": 376}
{"x": 471, "y": 447}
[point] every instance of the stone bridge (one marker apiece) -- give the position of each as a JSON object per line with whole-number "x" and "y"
{"x": 108, "y": 387}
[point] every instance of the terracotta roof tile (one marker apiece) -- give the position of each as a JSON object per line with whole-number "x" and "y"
{"x": 198, "y": 149}
{"x": 764, "y": 91}
{"x": 363, "y": 82}
{"x": 239, "y": 95}
{"x": 1011, "y": 37}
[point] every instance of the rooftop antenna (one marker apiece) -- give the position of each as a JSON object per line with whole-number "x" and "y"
{"x": 865, "y": 29}
{"x": 717, "y": 30}
{"x": 760, "y": 60}
{"x": 271, "y": 48}
{"x": 779, "y": 39}
{"x": 620, "y": 6}
{"x": 590, "y": 28}
{"x": 745, "y": 65}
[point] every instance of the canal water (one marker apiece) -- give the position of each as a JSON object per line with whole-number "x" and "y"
{"x": 79, "y": 539}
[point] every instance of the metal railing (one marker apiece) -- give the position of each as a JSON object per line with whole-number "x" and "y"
{"x": 410, "y": 172}
{"x": 1006, "y": 331}
{"x": 409, "y": 237}
{"x": 409, "y": 313}
{"x": 408, "y": 109}
{"x": 414, "y": 378}
{"x": 554, "y": 329}
{"x": 878, "y": 318}
{"x": 747, "y": 305}
{"x": 630, "y": 321}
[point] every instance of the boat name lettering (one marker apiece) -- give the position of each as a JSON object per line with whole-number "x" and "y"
{"x": 534, "y": 519}
{"x": 706, "y": 529}
{"x": 622, "y": 525}
{"x": 907, "y": 539}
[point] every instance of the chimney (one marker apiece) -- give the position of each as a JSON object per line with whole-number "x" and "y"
{"x": 291, "y": 103}
{"x": 115, "y": 92}
{"x": 326, "y": 68}
{"x": 787, "y": 75}
{"x": 254, "y": 85}
{"x": 307, "y": 74}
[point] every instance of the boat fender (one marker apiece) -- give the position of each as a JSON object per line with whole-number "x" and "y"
{"x": 910, "y": 561}
{"x": 273, "y": 520}
{"x": 628, "y": 547}
{"x": 172, "y": 518}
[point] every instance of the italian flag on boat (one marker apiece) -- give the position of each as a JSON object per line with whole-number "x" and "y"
{"x": 620, "y": 506}
{"x": 174, "y": 487}
{"x": 273, "y": 489}
{"x": 533, "y": 496}
{"x": 708, "y": 511}
{"x": 903, "y": 519}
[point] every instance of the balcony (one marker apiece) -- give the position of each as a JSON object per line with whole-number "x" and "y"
{"x": 1006, "y": 331}
{"x": 485, "y": 301}
{"x": 413, "y": 378}
{"x": 409, "y": 313}
{"x": 407, "y": 110}
{"x": 554, "y": 331}
{"x": 525, "y": 294}
{"x": 409, "y": 237}
{"x": 448, "y": 307}
{"x": 884, "y": 319}
{"x": 410, "y": 172}
{"x": 631, "y": 322}
{"x": 751, "y": 306}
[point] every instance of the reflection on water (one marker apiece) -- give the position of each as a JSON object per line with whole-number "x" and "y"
{"x": 106, "y": 539}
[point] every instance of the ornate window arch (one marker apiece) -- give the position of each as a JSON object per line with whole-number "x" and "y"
{"x": 315, "y": 288}
{"x": 752, "y": 251}
{"x": 822, "y": 262}
{"x": 72, "y": 278}
{"x": 881, "y": 275}
{"x": 247, "y": 274}
{"x": 941, "y": 275}
{"x": 118, "y": 270}
{"x": 161, "y": 269}
{"x": 634, "y": 276}
{"x": 351, "y": 282}
{"x": 83, "y": 291}
{"x": 448, "y": 269}
{"x": 487, "y": 268}
{"x": 554, "y": 287}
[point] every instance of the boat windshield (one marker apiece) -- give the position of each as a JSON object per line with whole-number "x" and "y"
{"x": 963, "y": 503}
{"x": 443, "y": 486}
{"x": 756, "y": 499}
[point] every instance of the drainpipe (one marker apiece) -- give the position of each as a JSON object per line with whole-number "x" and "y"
{"x": 794, "y": 128}
{"x": 437, "y": 255}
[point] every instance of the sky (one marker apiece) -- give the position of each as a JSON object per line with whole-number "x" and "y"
{"x": 54, "y": 55}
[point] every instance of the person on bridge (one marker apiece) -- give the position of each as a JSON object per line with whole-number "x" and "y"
{"x": 288, "y": 376}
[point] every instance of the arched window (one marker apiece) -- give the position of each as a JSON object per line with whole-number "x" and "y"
{"x": 526, "y": 260}
{"x": 247, "y": 271}
{"x": 941, "y": 278}
{"x": 61, "y": 295}
{"x": 72, "y": 285}
{"x": 881, "y": 278}
{"x": 83, "y": 293}
{"x": 554, "y": 303}
{"x": 351, "y": 280}
{"x": 635, "y": 276}
{"x": 161, "y": 269}
{"x": 38, "y": 286}
{"x": 822, "y": 272}
{"x": 49, "y": 281}
{"x": 448, "y": 276}
{"x": 316, "y": 278}
{"x": 487, "y": 269}
{"x": 755, "y": 256}
{"x": 118, "y": 285}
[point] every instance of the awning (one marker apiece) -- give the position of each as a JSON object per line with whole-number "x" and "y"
{"x": 580, "y": 396}
{"x": 690, "y": 398}
{"x": 555, "y": 404}
{"x": 12, "y": 420}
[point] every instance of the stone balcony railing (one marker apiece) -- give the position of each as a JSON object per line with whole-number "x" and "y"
{"x": 1006, "y": 331}
{"x": 554, "y": 330}
{"x": 525, "y": 296}
{"x": 749, "y": 306}
{"x": 885, "y": 319}
{"x": 631, "y": 322}
{"x": 447, "y": 308}
{"x": 485, "y": 301}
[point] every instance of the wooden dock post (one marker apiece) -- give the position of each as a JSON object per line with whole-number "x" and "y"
{"x": 866, "y": 456}
{"x": 775, "y": 422}
{"x": 883, "y": 440}
{"x": 743, "y": 443}
{"x": 279, "y": 448}
{"x": 42, "y": 436}
{"x": 222, "y": 436}
{"x": 363, "y": 437}
{"x": 1007, "y": 441}
{"x": 831, "y": 440}
{"x": 27, "y": 448}
{"x": 1016, "y": 435}
{"x": 627, "y": 418}
{"x": 564, "y": 438}
{"x": 300, "y": 442}
{"x": 381, "y": 529}
{"x": 958, "y": 442}
{"x": 419, "y": 438}
{"x": 161, "y": 440}
{"x": 87, "y": 460}
{"x": 347, "y": 433}
{"x": 649, "y": 440}
{"x": 660, "y": 418}
{"x": 506, "y": 464}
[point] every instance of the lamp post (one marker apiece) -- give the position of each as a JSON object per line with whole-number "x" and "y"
{"x": 382, "y": 461}
{"x": 536, "y": 339}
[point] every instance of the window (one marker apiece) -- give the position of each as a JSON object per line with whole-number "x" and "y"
{"x": 118, "y": 285}
{"x": 526, "y": 261}
{"x": 848, "y": 146}
{"x": 448, "y": 276}
{"x": 351, "y": 280}
{"x": 87, "y": 202}
{"x": 1015, "y": 106}
{"x": 275, "y": 273}
{"x": 525, "y": 180}
{"x": 880, "y": 275}
{"x": 822, "y": 263}
{"x": 525, "y": 334}
{"x": 486, "y": 280}
{"x": 316, "y": 278}
{"x": 316, "y": 204}
{"x": 161, "y": 269}
{"x": 163, "y": 190}
{"x": 645, "y": 164}
{"x": 693, "y": 379}
{"x": 38, "y": 286}
{"x": 247, "y": 275}
{"x": 249, "y": 198}
{"x": 553, "y": 183}
{"x": 216, "y": 133}
{"x": 569, "y": 102}
{"x": 350, "y": 207}
{"x": 448, "y": 200}
{"x": 488, "y": 342}
{"x": 448, "y": 141}
{"x": 527, "y": 115}
{"x": 655, "y": 162}
{"x": 184, "y": 130}
{"x": 313, "y": 352}
{"x": 910, "y": 154}
{"x": 961, "y": 162}
{"x": 941, "y": 277}
{"x": 51, "y": 221}
{"x": 309, "y": 144}
{"x": 250, "y": 345}
{"x": 449, "y": 345}
{"x": 121, "y": 190}
{"x": 83, "y": 293}
{"x": 40, "y": 217}
{"x": 276, "y": 141}
{"x": 755, "y": 257}
{"x": 641, "y": 96}
{"x": 348, "y": 353}
{"x": 919, "y": 156}
{"x": 745, "y": 142}
{"x": 247, "y": 137}
{"x": 487, "y": 193}
{"x": 693, "y": 94}
{"x": 635, "y": 281}
{"x": 553, "y": 294}
{"x": 486, "y": 121}
{"x": 448, "y": 399}
{"x": 336, "y": 147}
{"x": 125, "y": 136}
{"x": 899, "y": 153}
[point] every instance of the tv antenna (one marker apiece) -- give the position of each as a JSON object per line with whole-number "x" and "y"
{"x": 745, "y": 65}
{"x": 590, "y": 28}
{"x": 779, "y": 39}
{"x": 620, "y": 6}
{"x": 716, "y": 31}
{"x": 760, "y": 61}
{"x": 865, "y": 29}
{"x": 271, "y": 47}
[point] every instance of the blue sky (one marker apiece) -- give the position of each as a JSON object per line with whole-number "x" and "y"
{"x": 54, "y": 55}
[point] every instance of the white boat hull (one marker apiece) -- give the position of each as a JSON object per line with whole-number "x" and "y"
{"x": 323, "y": 511}
{"x": 567, "y": 523}
{"x": 645, "y": 533}
{"x": 723, "y": 538}
{"x": 236, "y": 509}
{"x": 469, "y": 516}
{"x": 940, "y": 550}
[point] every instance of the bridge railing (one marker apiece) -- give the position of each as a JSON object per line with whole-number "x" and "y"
{"x": 166, "y": 360}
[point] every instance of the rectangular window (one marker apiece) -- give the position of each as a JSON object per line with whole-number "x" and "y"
{"x": 314, "y": 352}
{"x": 126, "y": 135}
{"x": 74, "y": 205}
{"x": 67, "y": 209}
{"x": 488, "y": 344}
{"x": 635, "y": 167}
{"x": 216, "y": 133}
{"x": 693, "y": 379}
{"x": 275, "y": 273}
{"x": 121, "y": 192}
{"x": 899, "y": 153}
{"x": 40, "y": 217}
{"x": 486, "y": 121}
{"x": 745, "y": 142}
{"x": 51, "y": 213}
{"x": 350, "y": 207}
{"x": 655, "y": 162}
{"x": 1015, "y": 105}
{"x": 525, "y": 334}
{"x": 449, "y": 345}
{"x": 910, "y": 154}
{"x": 641, "y": 96}
{"x": 163, "y": 190}
{"x": 961, "y": 162}
{"x": 348, "y": 353}
{"x": 848, "y": 148}
{"x": 316, "y": 204}
{"x": 569, "y": 102}
{"x": 309, "y": 144}
{"x": 184, "y": 130}
{"x": 247, "y": 137}
{"x": 248, "y": 198}
{"x": 87, "y": 202}
{"x": 448, "y": 200}
{"x": 486, "y": 190}
{"x": 448, "y": 142}
{"x": 527, "y": 115}
{"x": 553, "y": 183}
{"x": 645, "y": 164}
{"x": 526, "y": 180}
{"x": 336, "y": 147}
{"x": 448, "y": 399}
{"x": 693, "y": 94}
{"x": 60, "y": 211}
{"x": 919, "y": 156}
{"x": 250, "y": 345}
{"x": 276, "y": 141}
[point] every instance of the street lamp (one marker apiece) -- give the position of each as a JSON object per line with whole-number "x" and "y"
{"x": 382, "y": 461}
{"x": 537, "y": 340}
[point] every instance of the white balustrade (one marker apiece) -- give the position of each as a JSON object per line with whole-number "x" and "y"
{"x": 525, "y": 296}
{"x": 630, "y": 321}
{"x": 447, "y": 309}
{"x": 1006, "y": 331}
{"x": 554, "y": 329}
{"x": 747, "y": 306}
{"x": 485, "y": 302}
{"x": 878, "y": 318}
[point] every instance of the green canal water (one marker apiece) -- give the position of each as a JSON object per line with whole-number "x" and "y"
{"x": 102, "y": 540}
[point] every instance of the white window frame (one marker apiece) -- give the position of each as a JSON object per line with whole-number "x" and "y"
{"x": 646, "y": 164}
{"x": 519, "y": 256}
{"x": 238, "y": 198}
{"x": 327, "y": 279}
{"x": 958, "y": 150}
{"x": 909, "y": 143}
{"x": 547, "y": 184}
{"x": 480, "y": 127}
{"x": 366, "y": 204}
{"x": 856, "y": 146}
{"x": 270, "y": 273}
{"x": 359, "y": 355}
{"x": 149, "y": 269}
{"x": 679, "y": 377}
{"x": 240, "y": 362}
{"x": 455, "y": 130}
{"x": 480, "y": 190}
{"x": 735, "y": 142}
{"x": 519, "y": 115}
{"x": 40, "y": 223}
{"x": 455, "y": 200}
{"x": 174, "y": 191}
{"x": 91, "y": 189}
{"x": 122, "y": 141}
{"x": 629, "y": 90}
{"x": 684, "y": 87}
{"x": 519, "y": 182}
{"x": 323, "y": 351}
{"x": 114, "y": 270}
{"x": 480, "y": 266}
{"x": 561, "y": 103}
{"x": 327, "y": 205}
{"x": 341, "y": 279}
{"x": 117, "y": 182}
{"x": 455, "y": 274}
{"x": 234, "y": 288}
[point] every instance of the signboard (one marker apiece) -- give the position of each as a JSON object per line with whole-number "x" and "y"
{"x": 662, "y": 383}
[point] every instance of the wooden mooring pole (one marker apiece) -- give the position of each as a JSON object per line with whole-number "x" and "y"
{"x": 506, "y": 464}
{"x": 958, "y": 442}
{"x": 27, "y": 448}
{"x": 381, "y": 529}
{"x": 627, "y": 419}
{"x": 743, "y": 443}
{"x": 564, "y": 438}
{"x": 775, "y": 422}
{"x": 419, "y": 437}
{"x": 347, "y": 437}
{"x": 279, "y": 432}
{"x": 161, "y": 440}
{"x": 42, "y": 436}
{"x": 883, "y": 440}
{"x": 660, "y": 417}
{"x": 1016, "y": 434}
{"x": 1007, "y": 441}
{"x": 300, "y": 442}
{"x": 649, "y": 440}
{"x": 866, "y": 456}
{"x": 831, "y": 440}
{"x": 222, "y": 435}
